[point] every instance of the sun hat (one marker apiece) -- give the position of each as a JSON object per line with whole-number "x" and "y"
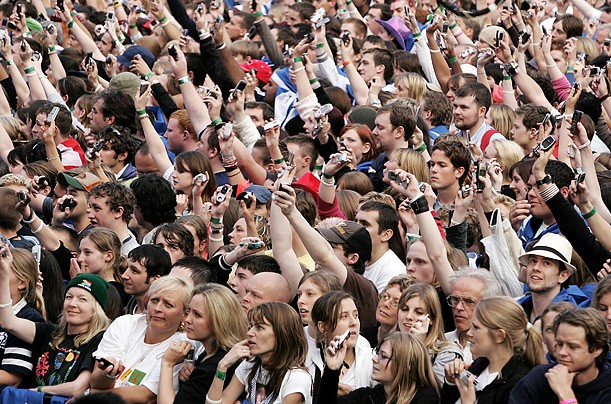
{"x": 553, "y": 246}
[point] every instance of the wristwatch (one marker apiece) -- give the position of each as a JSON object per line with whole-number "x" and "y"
{"x": 545, "y": 180}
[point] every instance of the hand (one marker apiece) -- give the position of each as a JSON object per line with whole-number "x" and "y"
{"x": 6, "y": 50}
{"x": 217, "y": 38}
{"x": 301, "y": 48}
{"x": 571, "y": 101}
{"x": 519, "y": 211}
{"x": 52, "y": 37}
{"x": 185, "y": 372}
{"x": 581, "y": 198}
{"x": 560, "y": 381}
{"x": 226, "y": 144}
{"x": 156, "y": 8}
{"x": 179, "y": 66}
{"x": 218, "y": 209}
{"x": 453, "y": 370}
{"x": 176, "y": 352}
{"x": 285, "y": 200}
{"x": 464, "y": 198}
{"x": 214, "y": 102}
{"x": 343, "y": 389}
{"x": 581, "y": 136}
{"x": 538, "y": 169}
{"x": 476, "y": 152}
{"x": 239, "y": 351}
{"x": 6, "y": 260}
{"x": 605, "y": 271}
{"x": 182, "y": 201}
{"x": 503, "y": 52}
{"x": 546, "y": 44}
{"x": 113, "y": 370}
{"x": 198, "y": 186}
{"x": 495, "y": 171}
{"x": 375, "y": 86}
{"x": 570, "y": 50}
{"x": 467, "y": 391}
{"x": 600, "y": 86}
{"x": 242, "y": 250}
{"x": 142, "y": 100}
{"x": 249, "y": 212}
{"x": 249, "y": 90}
{"x": 139, "y": 66}
{"x": 111, "y": 65}
{"x": 421, "y": 326}
{"x": 75, "y": 268}
{"x": 408, "y": 218}
{"x": 334, "y": 164}
{"x": 272, "y": 136}
{"x": 347, "y": 50}
{"x": 26, "y": 55}
{"x": 334, "y": 358}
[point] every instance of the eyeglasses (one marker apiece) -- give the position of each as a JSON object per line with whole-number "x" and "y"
{"x": 466, "y": 301}
{"x": 383, "y": 357}
{"x": 394, "y": 302}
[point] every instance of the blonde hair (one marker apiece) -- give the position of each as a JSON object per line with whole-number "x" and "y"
{"x": 508, "y": 153}
{"x": 415, "y": 83}
{"x": 245, "y": 49}
{"x": 411, "y": 161}
{"x": 412, "y": 365}
{"x": 13, "y": 179}
{"x": 587, "y": 46}
{"x": 172, "y": 283}
{"x": 13, "y": 128}
{"x": 225, "y": 315}
{"x": 503, "y": 313}
{"x": 25, "y": 269}
{"x": 99, "y": 322}
{"x": 502, "y": 119}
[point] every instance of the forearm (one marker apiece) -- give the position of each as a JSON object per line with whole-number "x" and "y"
{"x": 37, "y": 91}
{"x": 21, "y": 87}
{"x": 282, "y": 246}
{"x": 304, "y": 89}
{"x": 156, "y": 146}
{"x": 135, "y": 394}
{"x": 435, "y": 249}
{"x": 70, "y": 389}
{"x": 531, "y": 89}
{"x": 99, "y": 380}
{"x": 164, "y": 100}
{"x": 440, "y": 66}
{"x": 47, "y": 237}
{"x": 53, "y": 155}
{"x": 326, "y": 190}
{"x": 57, "y": 68}
{"x": 6, "y": 144}
{"x": 255, "y": 173}
{"x": 359, "y": 86}
{"x": 166, "y": 393}
{"x": 87, "y": 43}
{"x": 426, "y": 62}
{"x": 587, "y": 164}
{"x": 198, "y": 113}
{"x": 509, "y": 95}
{"x": 231, "y": 67}
{"x": 269, "y": 43}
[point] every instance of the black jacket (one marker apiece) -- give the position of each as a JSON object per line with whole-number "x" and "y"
{"x": 496, "y": 392}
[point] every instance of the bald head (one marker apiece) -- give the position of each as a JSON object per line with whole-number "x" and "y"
{"x": 266, "y": 287}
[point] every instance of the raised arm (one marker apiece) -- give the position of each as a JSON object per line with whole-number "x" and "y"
{"x": 154, "y": 142}
{"x": 282, "y": 246}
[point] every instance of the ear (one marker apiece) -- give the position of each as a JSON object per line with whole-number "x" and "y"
{"x": 482, "y": 111}
{"x": 563, "y": 276}
{"x": 399, "y": 132}
{"x": 65, "y": 98}
{"x": 366, "y": 147}
{"x": 110, "y": 120}
{"x": 118, "y": 213}
{"x": 380, "y": 70}
{"x": 386, "y": 235}
{"x": 353, "y": 258}
{"x": 109, "y": 256}
{"x": 122, "y": 156}
{"x": 191, "y": 75}
{"x": 565, "y": 192}
{"x": 459, "y": 172}
{"x": 321, "y": 327}
{"x": 500, "y": 336}
{"x": 533, "y": 133}
{"x": 305, "y": 161}
{"x": 203, "y": 245}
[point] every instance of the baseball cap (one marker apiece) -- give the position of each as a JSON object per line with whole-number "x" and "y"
{"x": 83, "y": 181}
{"x": 264, "y": 72}
{"x": 126, "y": 82}
{"x": 350, "y": 233}
{"x": 260, "y": 192}
{"x": 126, "y": 57}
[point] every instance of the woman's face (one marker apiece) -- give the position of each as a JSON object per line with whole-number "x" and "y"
{"x": 78, "y": 307}
{"x": 182, "y": 180}
{"x": 197, "y": 323}
{"x": 410, "y": 312}
{"x": 418, "y": 264}
{"x": 549, "y": 339}
{"x": 518, "y": 186}
{"x": 17, "y": 168}
{"x": 402, "y": 90}
{"x": 307, "y": 294}
{"x": 91, "y": 259}
{"x": 348, "y": 319}
{"x": 490, "y": 153}
{"x": 480, "y": 337}
{"x": 383, "y": 370}
{"x": 16, "y": 287}
{"x": 604, "y": 308}
{"x": 165, "y": 311}
{"x": 390, "y": 165}
{"x": 239, "y": 232}
{"x": 386, "y": 312}
{"x": 353, "y": 142}
{"x": 261, "y": 340}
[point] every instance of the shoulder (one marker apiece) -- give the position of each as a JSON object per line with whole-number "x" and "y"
{"x": 426, "y": 394}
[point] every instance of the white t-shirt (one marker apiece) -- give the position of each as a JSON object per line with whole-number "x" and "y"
{"x": 381, "y": 271}
{"x": 295, "y": 381}
{"x": 124, "y": 340}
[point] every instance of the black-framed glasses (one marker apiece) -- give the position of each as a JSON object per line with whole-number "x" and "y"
{"x": 453, "y": 301}
{"x": 394, "y": 302}
{"x": 383, "y": 357}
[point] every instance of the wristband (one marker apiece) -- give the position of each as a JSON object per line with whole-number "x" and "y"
{"x": 98, "y": 88}
{"x": 570, "y": 68}
{"x": 421, "y": 148}
{"x": 583, "y": 146}
{"x": 6, "y": 306}
{"x": 70, "y": 24}
{"x": 27, "y": 34}
{"x": 434, "y": 50}
{"x": 184, "y": 80}
{"x": 320, "y": 45}
{"x": 221, "y": 46}
{"x": 257, "y": 14}
{"x": 216, "y": 122}
{"x": 348, "y": 2}
{"x": 39, "y": 389}
{"x": 36, "y": 231}
{"x": 30, "y": 218}
{"x": 297, "y": 60}
{"x": 453, "y": 59}
{"x": 300, "y": 69}
{"x": 314, "y": 80}
{"x": 570, "y": 400}
{"x": 51, "y": 48}
{"x": 203, "y": 34}
{"x": 506, "y": 77}
{"x": 416, "y": 34}
{"x": 141, "y": 112}
{"x": 420, "y": 205}
{"x": 216, "y": 240}
{"x": 603, "y": 98}
{"x": 148, "y": 75}
{"x": 347, "y": 62}
{"x": 30, "y": 69}
{"x": 453, "y": 25}
{"x": 324, "y": 174}
{"x": 328, "y": 183}
{"x": 133, "y": 26}
{"x": 459, "y": 34}
{"x": 279, "y": 161}
{"x": 216, "y": 220}
{"x": 162, "y": 19}
{"x": 10, "y": 62}
{"x": 72, "y": 13}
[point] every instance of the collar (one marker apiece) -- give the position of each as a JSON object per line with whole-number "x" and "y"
{"x": 20, "y": 305}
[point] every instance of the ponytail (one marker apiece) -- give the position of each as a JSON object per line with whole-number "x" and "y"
{"x": 533, "y": 352}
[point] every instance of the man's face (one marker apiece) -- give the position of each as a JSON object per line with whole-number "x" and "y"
{"x": 370, "y": 19}
{"x": 543, "y": 274}
{"x": 538, "y": 207}
{"x": 467, "y": 114}
{"x": 256, "y": 114}
{"x": 442, "y": 171}
{"x": 367, "y": 69}
{"x": 601, "y": 35}
{"x": 520, "y": 133}
{"x": 145, "y": 164}
{"x": 98, "y": 123}
{"x": 239, "y": 281}
{"x": 110, "y": 158}
{"x": 105, "y": 44}
{"x": 348, "y": 27}
{"x": 175, "y": 135}
{"x": 384, "y": 133}
{"x": 256, "y": 292}
{"x": 100, "y": 215}
{"x": 329, "y": 6}
{"x": 171, "y": 247}
{"x": 40, "y": 125}
{"x": 398, "y": 8}
{"x": 572, "y": 349}
{"x": 558, "y": 34}
{"x": 234, "y": 27}
{"x": 468, "y": 291}
{"x": 369, "y": 220}
{"x": 292, "y": 17}
{"x": 135, "y": 278}
{"x": 81, "y": 202}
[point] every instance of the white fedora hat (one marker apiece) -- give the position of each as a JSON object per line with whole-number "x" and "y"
{"x": 552, "y": 246}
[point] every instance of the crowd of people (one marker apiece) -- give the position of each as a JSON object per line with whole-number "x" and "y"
{"x": 327, "y": 201}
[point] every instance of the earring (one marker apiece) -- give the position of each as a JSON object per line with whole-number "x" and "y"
{"x": 181, "y": 326}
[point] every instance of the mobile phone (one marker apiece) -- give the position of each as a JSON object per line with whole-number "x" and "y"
{"x": 200, "y": 178}
{"x": 60, "y": 5}
{"x": 444, "y": 27}
{"x": 341, "y": 158}
{"x": 172, "y": 52}
{"x": 291, "y": 159}
{"x": 581, "y": 56}
{"x": 97, "y": 148}
{"x": 274, "y": 123}
{"x": 546, "y": 119}
{"x": 545, "y": 145}
{"x": 525, "y": 37}
{"x": 594, "y": 71}
{"x": 343, "y": 338}
{"x": 309, "y": 37}
{"x": 481, "y": 170}
{"x": 251, "y": 33}
{"x": 185, "y": 32}
{"x": 317, "y": 16}
{"x": 89, "y": 58}
{"x": 153, "y": 24}
{"x": 247, "y": 197}
{"x": 435, "y": 20}
{"x": 576, "y": 119}
{"x": 284, "y": 187}
{"x": 190, "y": 356}
{"x": 254, "y": 72}
{"x": 407, "y": 10}
{"x": 42, "y": 182}
{"x": 36, "y": 56}
{"x": 110, "y": 16}
{"x": 254, "y": 245}
{"x": 144, "y": 85}
{"x": 51, "y": 29}
{"x": 227, "y": 129}
{"x": 464, "y": 377}
{"x": 36, "y": 253}
{"x": 68, "y": 203}
{"x": 19, "y": 9}
{"x": 216, "y": 4}
{"x": 323, "y": 111}
{"x": 22, "y": 45}
{"x": 52, "y": 115}
{"x": 222, "y": 194}
{"x": 581, "y": 177}
{"x": 200, "y": 8}
{"x": 342, "y": 144}
{"x": 104, "y": 362}
{"x": 4, "y": 23}
{"x": 544, "y": 30}
{"x": 240, "y": 86}
{"x": 499, "y": 37}
{"x": 23, "y": 196}
{"x": 465, "y": 191}
{"x": 346, "y": 38}
{"x": 393, "y": 176}
{"x": 607, "y": 42}
{"x": 441, "y": 42}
